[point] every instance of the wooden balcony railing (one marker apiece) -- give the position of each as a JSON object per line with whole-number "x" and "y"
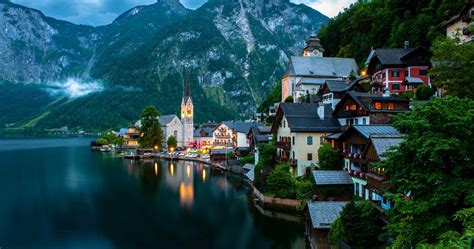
{"x": 292, "y": 162}
{"x": 283, "y": 145}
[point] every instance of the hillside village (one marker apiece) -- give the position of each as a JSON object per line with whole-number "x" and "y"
{"x": 330, "y": 108}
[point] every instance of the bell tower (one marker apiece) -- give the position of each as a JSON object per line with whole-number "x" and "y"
{"x": 313, "y": 47}
{"x": 187, "y": 113}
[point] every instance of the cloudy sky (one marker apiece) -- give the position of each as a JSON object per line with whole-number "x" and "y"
{"x": 101, "y": 12}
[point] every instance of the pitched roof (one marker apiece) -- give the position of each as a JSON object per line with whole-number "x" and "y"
{"x": 303, "y": 117}
{"x": 370, "y": 130}
{"x": 312, "y": 66}
{"x": 332, "y": 177}
{"x": 382, "y": 143}
{"x": 265, "y": 129}
{"x": 414, "y": 80}
{"x": 392, "y": 56}
{"x": 239, "y": 126}
{"x": 166, "y": 119}
{"x": 364, "y": 99}
{"x": 207, "y": 130}
{"x": 323, "y": 213}
{"x": 311, "y": 81}
{"x": 262, "y": 138}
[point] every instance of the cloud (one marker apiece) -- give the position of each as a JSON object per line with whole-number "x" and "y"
{"x": 328, "y": 7}
{"x": 73, "y": 88}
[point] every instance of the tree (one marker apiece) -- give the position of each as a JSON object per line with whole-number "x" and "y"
{"x": 433, "y": 166}
{"x": 109, "y": 137}
{"x": 280, "y": 182}
{"x": 423, "y": 93}
{"x": 265, "y": 163}
{"x": 152, "y": 135}
{"x": 329, "y": 158}
{"x": 357, "y": 225}
{"x": 289, "y": 99}
{"x": 172, "y": 142}
{"x": 455, "y": 69}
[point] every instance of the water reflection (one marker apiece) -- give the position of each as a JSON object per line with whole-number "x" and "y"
{"x": 75, "y": 198}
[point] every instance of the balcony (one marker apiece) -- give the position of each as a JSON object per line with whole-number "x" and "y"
{"x": 283, "y": 145}
{"x": 355, "y": 157}
{"x": 222, "y": 136}
{"x": 292, "y": 162}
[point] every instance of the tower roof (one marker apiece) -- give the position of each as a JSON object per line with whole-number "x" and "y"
{"x": 313, "y": 43}
{"x": 187, "y": 87}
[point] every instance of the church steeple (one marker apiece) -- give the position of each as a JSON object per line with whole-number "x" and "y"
{"x": 187, "y": 112}
{"x": 313, "y": 47}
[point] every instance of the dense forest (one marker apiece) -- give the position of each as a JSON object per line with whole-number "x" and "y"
{"x": 385, "y": 24}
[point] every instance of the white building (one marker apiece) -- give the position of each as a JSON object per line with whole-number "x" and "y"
{"x": 306, "y": 73}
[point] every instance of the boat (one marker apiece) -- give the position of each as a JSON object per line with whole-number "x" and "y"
{"x": 105, "y": 148}
{"x": 129, "y": 155}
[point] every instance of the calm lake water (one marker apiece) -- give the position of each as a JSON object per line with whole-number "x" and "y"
{"x": 56, "y": 193}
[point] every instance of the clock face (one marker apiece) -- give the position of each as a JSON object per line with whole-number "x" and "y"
{"x": 317, "y": 52}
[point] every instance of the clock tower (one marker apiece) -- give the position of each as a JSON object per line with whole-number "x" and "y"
{"x": 313, "y": 47}
{"x": 187, "y": 114}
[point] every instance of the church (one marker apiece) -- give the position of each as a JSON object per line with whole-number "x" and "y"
{"x": 307, "y": 72}
{"x": 182, "y": 129}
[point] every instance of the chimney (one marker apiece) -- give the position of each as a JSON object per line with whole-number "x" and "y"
{"x": 321, "y": 110}
{"x": 407, "y": 45}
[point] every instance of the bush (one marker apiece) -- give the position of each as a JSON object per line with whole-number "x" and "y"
{"x": 303, "y": 187}
{"x": 423, "y": 93}
{"x": 280, "y": 182}
{"x": 247, "y": 159}
{"x": 357, "y": 225}
{"x": 329, "y": 158}
{"x": 289, "y": 99}
{"x": 172, "y": 142}
{"x": 406, "y": 95}
{"x": 101, "y": 142}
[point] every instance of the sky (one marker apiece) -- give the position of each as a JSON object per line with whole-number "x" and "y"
{"x": 102, "y": 12}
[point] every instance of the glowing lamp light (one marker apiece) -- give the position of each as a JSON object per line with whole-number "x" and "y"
{"x": 156, "y": 147}
{"x": 363, "y": 73}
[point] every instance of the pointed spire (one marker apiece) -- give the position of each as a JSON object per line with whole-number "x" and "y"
{"x": 187, "y": 87}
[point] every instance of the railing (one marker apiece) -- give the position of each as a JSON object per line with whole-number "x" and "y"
{"x": 283, "y": 145}
{"x": 220, "y": 136}
{"x": 286, "y": 160}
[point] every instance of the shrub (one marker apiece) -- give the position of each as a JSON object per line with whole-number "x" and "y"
{"x": 101, "y": 142}
{"x": 247, "y": 159}
{"x": 280, "y": 182}
{"x": 289, "y": 99}
{"x": 423, "y": 93}
{"x": 329, "y": 158}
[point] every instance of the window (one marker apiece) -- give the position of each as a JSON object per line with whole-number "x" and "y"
{"x": 310, "y": 156}
{"x": 378, "y": 105}
{"x": 175, "y": 133}
{"x": 453, "y": 34}
{"x": 346, "y": 107}
{"x": 364, "y": 120}
{"x": 353, "y": 107}
{"x": 423, "y": 72}
{"x": 356, "y": 121}
{"x": 309, "y": 140}
{"x": 395, "y": 87}
{"x": 321, "y": 140}
{"x": 395, "y": 74}
{"x": 284, "y": 123}
{"x": 293, "y": 155}
{"x": 391, "y": 106}
{"x": 293, "y": 140}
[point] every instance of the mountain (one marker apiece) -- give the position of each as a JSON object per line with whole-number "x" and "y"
{"x": 236, "y": 52}
{"x": 36, "y": 48}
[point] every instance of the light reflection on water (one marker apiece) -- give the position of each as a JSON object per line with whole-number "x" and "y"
{"x": 70, "y": 197}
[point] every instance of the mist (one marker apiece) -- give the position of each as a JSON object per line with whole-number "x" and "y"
{"x": 74, "y": 88}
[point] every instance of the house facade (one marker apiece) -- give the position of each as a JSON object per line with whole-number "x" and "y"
{"x": 398, "y": 70}
{"x": 222, "y": 135}
{"x": 256, "y": 136}
{"x": 357, "y": 108}
{"x": 171, "y": 126}
{"x": 299, "y": 129}
{"x": 332, "y": 91}
{"x": 306, "y": 73}
{"x": 355, "y": 143}
{"x": 203, "y": 137}
{"x": 461, "y": 26}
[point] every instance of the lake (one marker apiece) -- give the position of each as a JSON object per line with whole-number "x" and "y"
{"x": 57, "y": 193}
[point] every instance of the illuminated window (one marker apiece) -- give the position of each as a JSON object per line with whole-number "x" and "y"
{"x": 346, "y": 107}
{"x": 391, "y": 106}
{"x": 353, "y": 107}
{"x": 378, "y": 106}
